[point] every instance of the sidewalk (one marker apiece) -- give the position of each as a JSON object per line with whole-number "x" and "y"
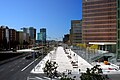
{"x": 65, "y": 63}
{"x": 82, "y": 64}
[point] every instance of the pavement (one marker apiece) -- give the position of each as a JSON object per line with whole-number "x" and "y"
{"x": 19, "y": 69}
{"x": 64, "y": 62}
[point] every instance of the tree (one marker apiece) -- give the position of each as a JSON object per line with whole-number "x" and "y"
{"x": 94, "y": 73}
{"x": 50, "y": 69}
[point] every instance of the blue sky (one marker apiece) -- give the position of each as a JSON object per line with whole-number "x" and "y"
{"x": 54, "y": 15}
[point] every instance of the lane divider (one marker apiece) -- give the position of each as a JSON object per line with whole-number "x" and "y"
{"x": 29, "y": 65}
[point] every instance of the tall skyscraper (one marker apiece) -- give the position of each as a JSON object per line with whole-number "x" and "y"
{"x": 38, "y": 36}
{"x": 99, "y": 22}
{"x": 43, "y": 35}
{"x": 118, "y": 30}
{"x": 76, "y": 32}
{"x": 32, "y": 33}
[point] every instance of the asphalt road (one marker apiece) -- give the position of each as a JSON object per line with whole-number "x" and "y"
{"x": 18, "y": 69}
{"x": 114, "y": 76}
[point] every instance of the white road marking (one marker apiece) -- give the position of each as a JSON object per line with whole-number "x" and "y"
{"x": 38, "y": 78}
{"x": 28, "y": 78}
{"x": 47, "y": 78}
{"x": 29, "y": 65}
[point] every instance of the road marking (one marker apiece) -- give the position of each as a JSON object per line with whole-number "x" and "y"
{"x": 47, "y": 78}
{"x": 29, "y": 65}
{"x": 38, "y": 78}
{"x": 28, "y": 78}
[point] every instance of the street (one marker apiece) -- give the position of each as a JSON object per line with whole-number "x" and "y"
{"x": 18, "y": 69}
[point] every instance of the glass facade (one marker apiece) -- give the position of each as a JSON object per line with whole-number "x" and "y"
{"x": 31, "y": 31}
{"x": 118, "y": 30}
{"x": 76, "y": 32}
{"x": 99, "y": 20}
{"x": 38, "y": 36}
{"x": 43, "y": 35}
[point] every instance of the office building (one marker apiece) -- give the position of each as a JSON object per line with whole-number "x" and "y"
{"x": 22, "y": 37}
{"x": 43, "y": 35}
{"x": 4, "y": 37}
{"x": 99, "y": 23}
{"x": 4, "y": 33}
{"x": 12, "y": 34}
{"x": 32, "y": 33}
{"x": 76, "y": 32}
{"x": 12, "y": 38}
{"x": 38, "y": 36}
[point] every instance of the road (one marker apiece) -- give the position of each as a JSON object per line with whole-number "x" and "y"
{"x": 114, "y": 76}
{"x": 18, "y": 69}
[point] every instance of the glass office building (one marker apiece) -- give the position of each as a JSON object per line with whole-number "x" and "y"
{"x": 43, "y": 35}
